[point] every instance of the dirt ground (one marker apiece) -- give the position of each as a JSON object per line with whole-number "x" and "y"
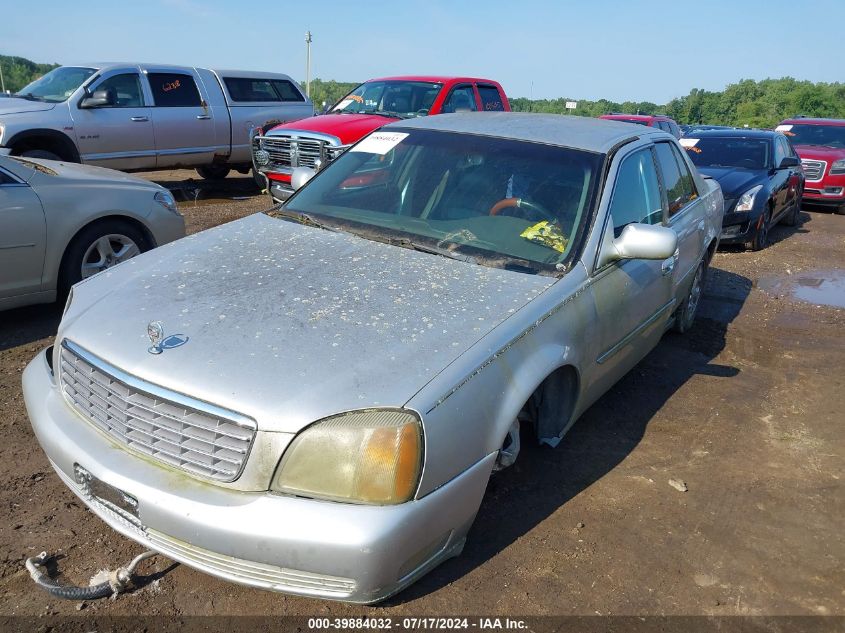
{"x": 747, "y": 410}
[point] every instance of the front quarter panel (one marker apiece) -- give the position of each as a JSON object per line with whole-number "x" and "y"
{"x": 468, "y": 409}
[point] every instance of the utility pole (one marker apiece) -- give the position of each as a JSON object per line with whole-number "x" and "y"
{"x": 308, "y": 63}
{"x": 2, "y": 83}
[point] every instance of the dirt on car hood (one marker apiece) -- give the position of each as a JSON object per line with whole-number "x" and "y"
{"x": 289, "y": 324}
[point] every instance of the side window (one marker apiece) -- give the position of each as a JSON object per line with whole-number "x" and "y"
{"x": 491, "y": 100}
{"x": 287, "y": 91}
{"x": 125, "y": 89}
{"x": 636, "y": 193}
{"x": 5, "y": 179}
{"x": 780, "y": 151}
{"x": 243, "y": 89}
{"x": 677, "y": 179}
{"x": 461, "y": 99}
{"x": 174, "y": 90}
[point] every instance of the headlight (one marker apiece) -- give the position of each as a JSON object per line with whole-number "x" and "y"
{"x": 165, "y": 199}
{"x": 746, "y": 200}
{"x": 838, "y": 167}
{"x": 370, "y": 457}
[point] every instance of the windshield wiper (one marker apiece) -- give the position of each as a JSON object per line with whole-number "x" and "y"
{"x": 404, "y": 242}
{"x": 29, "y": 96}
{"x": 301, "y": 218}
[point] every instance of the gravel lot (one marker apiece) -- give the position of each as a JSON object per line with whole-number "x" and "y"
{"x": 747, "y": 410}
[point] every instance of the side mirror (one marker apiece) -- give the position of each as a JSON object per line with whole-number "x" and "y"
{"x": 789, "y": 161}
{"x": 641, "y": 241}
{"x": 98, "y": 99}
{"x": 300, "y": 176}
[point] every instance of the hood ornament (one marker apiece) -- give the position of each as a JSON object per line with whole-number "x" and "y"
{"x": 155, "y": 330}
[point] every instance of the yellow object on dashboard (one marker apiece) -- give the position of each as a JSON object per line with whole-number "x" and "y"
{"x": 547, "y": 234}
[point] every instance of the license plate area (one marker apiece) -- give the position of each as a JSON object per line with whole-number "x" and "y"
{"x": 121, "y": 505}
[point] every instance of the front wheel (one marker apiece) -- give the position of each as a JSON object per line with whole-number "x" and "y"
{"x": 213, "y": 172}
{"x": 685, "y": 316}
{"x": 98, "y": 247}
{"x": 761, "y": 238}
{"x": 840, "y": 210}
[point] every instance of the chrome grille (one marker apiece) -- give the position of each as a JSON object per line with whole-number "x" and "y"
{"x": 813, "y": 169}
{"x": 179, "y": 431}
{"x": 294, "y": 151}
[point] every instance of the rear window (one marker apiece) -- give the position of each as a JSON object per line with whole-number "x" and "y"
{"x": 174, "y": 90}
{"x": 245, "y": 89}
{"x": 491, "y": 100}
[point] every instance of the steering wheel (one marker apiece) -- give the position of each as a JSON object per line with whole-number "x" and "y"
{"x": 519, "y": 203}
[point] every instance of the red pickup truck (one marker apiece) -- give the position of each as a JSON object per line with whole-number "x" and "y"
{"x": 315, "y": 141}
{"x": 821, "y": 145}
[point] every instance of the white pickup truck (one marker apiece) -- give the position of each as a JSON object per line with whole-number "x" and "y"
{"x": 144, "y": 116}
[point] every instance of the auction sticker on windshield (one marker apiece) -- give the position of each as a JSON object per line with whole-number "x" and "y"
{"x": 379, "y": 142}
{"x": 688, "y": 142}
{"x": 783, "y": 128}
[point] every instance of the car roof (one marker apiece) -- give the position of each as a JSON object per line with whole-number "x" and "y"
{"x": 106, "y": 66}
{"x": 808, "y": 121}
{"x": 577, "y": 132}
{"x": 433, "y": 78}
{"x": 637, "y": 117}
{"x": 737, "y": 133}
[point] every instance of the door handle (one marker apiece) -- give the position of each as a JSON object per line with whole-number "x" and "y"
{"x": 668, "y": 266}
{"x": 701, "y": 225}
{"x": 203, "y": 117}
{"x": 139, "y": 118}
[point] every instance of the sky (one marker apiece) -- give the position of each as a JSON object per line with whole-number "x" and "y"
{"x": 619, "y": 50}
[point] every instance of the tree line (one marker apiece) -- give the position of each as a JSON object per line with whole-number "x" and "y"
{"x": 18, "y": 71}
{"x": 747, "y": 102}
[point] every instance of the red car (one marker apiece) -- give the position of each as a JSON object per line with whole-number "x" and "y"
{"x": 315, "y": 141}
{"x": 821, "y": 145}
{"x": 651, "y": 120}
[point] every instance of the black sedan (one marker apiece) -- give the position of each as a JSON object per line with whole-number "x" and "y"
{"x": 761, "y": 180}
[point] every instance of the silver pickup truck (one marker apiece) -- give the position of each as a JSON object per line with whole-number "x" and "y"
{"x": 146, "y": 116}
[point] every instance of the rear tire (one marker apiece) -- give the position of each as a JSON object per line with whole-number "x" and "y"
{"x": 685, "y": 315}
{"x": 213, "y": 172}
{"x": 40, "y": 153}
{"x": 98, "y": 247}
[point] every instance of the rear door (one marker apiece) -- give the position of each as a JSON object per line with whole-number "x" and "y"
{"x": 23, "y": 232}
{"x": 182, "y": 119}
{"x": 461, "y": 98}
{"x": 119, "y": 135}
{"x": 685, "y": 216}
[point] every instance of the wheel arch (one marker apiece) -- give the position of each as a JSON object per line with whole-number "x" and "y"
{"x": 49, "y": 140}
{"x": 106, "y": 217}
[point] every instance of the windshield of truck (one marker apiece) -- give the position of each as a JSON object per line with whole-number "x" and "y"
{"x": 826, "y": 135}
{"x": 57, "y": 85}
{"x": 492, "y": 201}
{"x": 726, "y": 151}
{"x": 401, "y": 99}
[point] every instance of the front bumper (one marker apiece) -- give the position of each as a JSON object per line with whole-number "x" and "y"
{"x": 739, "y": 228}
{"x": 346, "y": 552}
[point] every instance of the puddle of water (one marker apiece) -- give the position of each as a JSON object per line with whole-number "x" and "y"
{"x": 822, "y": 287}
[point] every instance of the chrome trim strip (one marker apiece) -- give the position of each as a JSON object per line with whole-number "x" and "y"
{"x": 160, "y": 392}
{"x": 320, "y": 136}
{"x": 633, "y": 333}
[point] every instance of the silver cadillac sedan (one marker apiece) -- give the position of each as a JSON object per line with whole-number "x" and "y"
{"x": 62, "y": 222}
{"x": 312, "y": 399}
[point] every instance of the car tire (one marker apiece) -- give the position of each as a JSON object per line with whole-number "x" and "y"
{"x": 685, "y": 314}
{"x": 87, "y": 254}
{"x": 40, "y": 153}
{"x": 213, "y": 172}
{"x": 761, "y": 237}
{"x": 840, "y": 210}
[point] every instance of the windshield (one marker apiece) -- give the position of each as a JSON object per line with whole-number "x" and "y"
{"x": 57, "y": 85}
{"x": 497, "y": 202}
{"x": 828, "y": 135}
{"x": 403, "y": 99}
{"x": 725, "y": 151}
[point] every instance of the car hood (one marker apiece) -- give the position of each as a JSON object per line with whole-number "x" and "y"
{"x": 820, "y": 152}
{"x": 289, "y": 324}
{"x": 735, "y": 182}
{"x": 349, "y": 128}
{"x": 60, "y": 173}
{"x": 14, "y": 105}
